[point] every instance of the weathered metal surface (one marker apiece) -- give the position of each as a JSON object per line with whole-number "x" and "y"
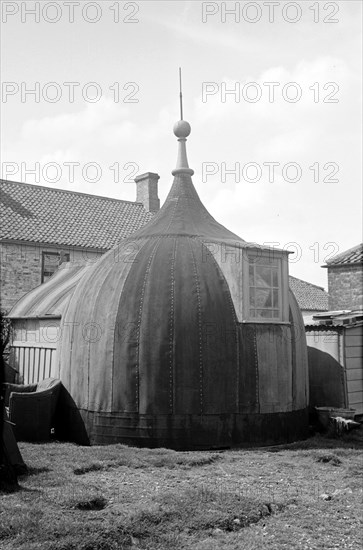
{"x": 157, "y": 356}
{"x": 52, "y": 298}
{"x": 191, "y": 432}
{"x": 300, "y": 369}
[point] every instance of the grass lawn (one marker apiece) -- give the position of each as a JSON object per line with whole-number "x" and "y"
{"x": 304, "y": 495}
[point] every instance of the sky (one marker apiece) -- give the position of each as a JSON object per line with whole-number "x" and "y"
{"x": 272, "y": 90}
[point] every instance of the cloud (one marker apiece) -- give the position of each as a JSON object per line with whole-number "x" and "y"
{"x": 229, "y": 132}
{"x": 77, "y": 127}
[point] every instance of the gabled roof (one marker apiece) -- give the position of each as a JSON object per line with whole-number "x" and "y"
{"x": 352, "y": 256}
{"x": 309, "y": 296}
{"x": 34, "y": 213}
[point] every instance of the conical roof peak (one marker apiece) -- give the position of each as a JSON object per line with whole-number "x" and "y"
{"x": 184, "y": 214}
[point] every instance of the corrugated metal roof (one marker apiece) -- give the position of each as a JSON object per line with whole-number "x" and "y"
{"x": 34, "y": 213}
{"x": 352, "y": 256}
{"x": 334, "y": 320}
{"x": 309, "y": 296}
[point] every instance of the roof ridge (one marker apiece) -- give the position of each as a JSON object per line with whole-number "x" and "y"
{"x": 344, "y": 253}
{"x": 69, "y": 191}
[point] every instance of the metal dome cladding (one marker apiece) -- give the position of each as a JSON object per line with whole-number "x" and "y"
{"x": 165, "y": 360}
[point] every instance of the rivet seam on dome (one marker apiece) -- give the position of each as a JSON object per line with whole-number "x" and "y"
{"x": 256, "y": 367}
{"x": 200, "y": 332}
{"x": 147, "y": 271}
{"x": 231, "y": 305}
{"x": 171, "y": 327}
{"x": 173, "y": 214}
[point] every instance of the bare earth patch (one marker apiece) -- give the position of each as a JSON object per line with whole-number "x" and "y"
{"x": 301, "y": 496}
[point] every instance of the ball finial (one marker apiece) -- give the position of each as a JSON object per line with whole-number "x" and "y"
{"x": 182, "y": 129}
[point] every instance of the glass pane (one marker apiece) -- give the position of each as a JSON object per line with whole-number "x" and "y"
{"x": 261, "y": 297}
{"x": 64, "y": 257}
{"x": 265, "y": 261}
{"x": 265, "y": 313}
{"x": 264, "y": 288}
{"x": 275, "y": 313}
{"x": 268, "y": 302}
{"x": 51, "y": 260}
{"x": 263, "y": 274}
{"x": 50, "y": 265}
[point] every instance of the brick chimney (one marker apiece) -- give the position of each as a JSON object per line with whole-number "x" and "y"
{"x": 147, "y": 191}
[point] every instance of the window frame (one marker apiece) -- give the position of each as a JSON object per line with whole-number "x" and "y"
{"x": 62, "y": 257}
{"x": 283, "y": 288}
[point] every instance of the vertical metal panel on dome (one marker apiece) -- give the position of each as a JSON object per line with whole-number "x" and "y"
{"x": 248, "y": 387}
{"x": 187, "y": 342}
{"x": 274, "y": 367}
{"x": 86, "y": 359}
{"x": 300, "y": 370}
{"x": 155, "y": 361}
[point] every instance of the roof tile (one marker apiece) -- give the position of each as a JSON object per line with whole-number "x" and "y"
{"x": 40, "y": 214}
{"x": 352, "y": 256}
{"x": 309, "y": 296}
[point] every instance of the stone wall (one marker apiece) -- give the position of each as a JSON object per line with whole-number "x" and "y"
{"x": 345, "y": 287}
{"x": 21, "y": 268}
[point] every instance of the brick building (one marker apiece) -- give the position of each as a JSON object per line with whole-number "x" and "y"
{"x": 345, "y": 279}
{"x": 42, "y": 227}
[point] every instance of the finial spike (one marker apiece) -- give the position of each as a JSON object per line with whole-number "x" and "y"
{"x": 182, "y": 130}
{"x": 181, "y": 94}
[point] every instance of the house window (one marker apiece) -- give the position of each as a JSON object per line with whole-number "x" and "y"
{"x": 265, "y": 301}
{"x": 50, "y": 263}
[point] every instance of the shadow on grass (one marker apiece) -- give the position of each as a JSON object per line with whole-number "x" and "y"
{"x": 201, "y": 510}
{"x": 329, "y": 459}
{"x": 136, "y": 458}
{"x": 33, "y": 471}
{"x": 169, "y": 523}
{"x": 97, "y": 503}
{"x": 90, "y": 468}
